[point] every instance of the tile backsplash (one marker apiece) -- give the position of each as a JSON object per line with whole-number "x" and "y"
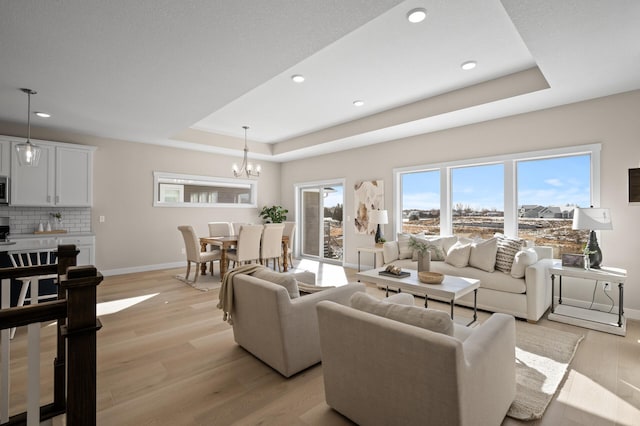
{"x": 25, "y": 220}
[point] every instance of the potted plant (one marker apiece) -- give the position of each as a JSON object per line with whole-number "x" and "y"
{"x": 274, "y": 214}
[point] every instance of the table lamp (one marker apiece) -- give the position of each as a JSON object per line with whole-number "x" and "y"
{"x": 592, "y": 219}
{"x": 378, "y": 217}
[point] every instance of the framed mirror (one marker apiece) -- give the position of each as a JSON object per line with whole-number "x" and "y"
{"x": 180, "y": 190}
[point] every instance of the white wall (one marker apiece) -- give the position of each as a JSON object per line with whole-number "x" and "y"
{"x": 612, "y": 121}
{"x": 135, "y": 235}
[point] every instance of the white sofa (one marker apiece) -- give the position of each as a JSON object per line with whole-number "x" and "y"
{"x": 528, "y": 297}
{"x": 380, "y": 371}
{"x": 277, "y": 329}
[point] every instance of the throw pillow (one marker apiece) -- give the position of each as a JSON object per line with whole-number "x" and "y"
{"x": 458, "y": 255}
{"x": 521, "y": 260}
{"x": 390, "y": 251}
{"x": 429, "y": 319}
{"x": 507, "y": 249}
{"x": 440, "y": 246}
{"x": 404, "y": 251}
{"x": 483, "y": 254}
{"x": 286, "y": 280}
{"x": 434, "y": 246}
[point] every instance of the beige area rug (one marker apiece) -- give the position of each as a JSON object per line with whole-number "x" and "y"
{"x": 204, "y": 283}
{"x": 542, "y": 358}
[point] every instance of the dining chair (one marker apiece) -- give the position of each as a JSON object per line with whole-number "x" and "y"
{"x": 290, "y": 232}
{"x": 192, "y": 246}
{"x": 220, "y": 229}
{"x": 33, "y": 258}
{"x": 248, "y": 247}
{"x": 235, "y": 227}
{"x": 271, "y": 244}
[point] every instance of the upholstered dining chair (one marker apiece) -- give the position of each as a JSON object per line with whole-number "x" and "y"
{"x": 248, "y": 247}
{"x": 271, "y": 244}
{"x": 290, "y": 232}
{"x": 220, "y": 229}
{"x": 235, "y": 227}
{"x": 192, "y": 245}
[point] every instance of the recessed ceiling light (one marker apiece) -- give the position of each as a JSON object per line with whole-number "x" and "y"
{"x": 469, "y": 65}
{"x": 297, "y": 78}
{"x": 42, "y": 114}
{"x": 417, "y": 15}
{"x": 358, "y": 103}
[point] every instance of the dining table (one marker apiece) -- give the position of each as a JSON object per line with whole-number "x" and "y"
{"x": 224, "y": 243}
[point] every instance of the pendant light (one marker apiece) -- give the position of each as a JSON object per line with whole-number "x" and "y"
{"x": 28, "y": 153}
{"x": 246, "y": 168}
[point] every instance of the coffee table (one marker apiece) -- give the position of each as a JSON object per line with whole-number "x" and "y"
{"x": 451, "y": 288}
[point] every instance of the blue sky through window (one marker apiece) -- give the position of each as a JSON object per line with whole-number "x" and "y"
{"x": 548, "y": 182}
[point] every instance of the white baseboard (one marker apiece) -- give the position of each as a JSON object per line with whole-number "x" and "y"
{"x": 144, "y": 268}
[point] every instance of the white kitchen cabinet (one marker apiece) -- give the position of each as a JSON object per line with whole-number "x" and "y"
{"x": 32, "y": 186}
{"x": 85, "y": 243}
{"x": 63, "y": 178}
{"x": 5, "y": 157}
{"x": 74, "y": 175}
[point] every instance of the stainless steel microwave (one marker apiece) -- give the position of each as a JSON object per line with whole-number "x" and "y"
{"x": 4, "y": 190}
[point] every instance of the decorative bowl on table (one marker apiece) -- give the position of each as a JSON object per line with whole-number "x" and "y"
{"x": 430, "y": 277}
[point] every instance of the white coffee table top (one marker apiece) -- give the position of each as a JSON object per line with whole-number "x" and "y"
{"x": 451, "y": 287}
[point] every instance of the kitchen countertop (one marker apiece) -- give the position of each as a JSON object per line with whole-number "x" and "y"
{"x": 18, "y": 242}
{"x": 14, "y": 237}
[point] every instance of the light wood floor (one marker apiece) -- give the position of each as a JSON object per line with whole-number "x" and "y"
{"x": 165, "y": 357}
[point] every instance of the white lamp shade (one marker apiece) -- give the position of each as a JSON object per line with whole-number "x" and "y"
{"x": 592, "y": 219}
{"x": 379, "y": 217}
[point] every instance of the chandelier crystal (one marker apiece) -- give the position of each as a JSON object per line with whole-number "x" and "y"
{"x": 246, "y": 169}
{"x": 28, "y": 153}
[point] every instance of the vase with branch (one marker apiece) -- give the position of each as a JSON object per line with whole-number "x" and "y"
{"x": 424, "y": 254}
{"x": 58, "y": 219}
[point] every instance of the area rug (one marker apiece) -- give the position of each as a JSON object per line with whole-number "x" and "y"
{"x": 204, "y": 283}
{"x": 542, "y": 358}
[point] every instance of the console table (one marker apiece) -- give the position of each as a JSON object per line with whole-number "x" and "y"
{"x": 610, "y": 322}
{"x": 374, "y": 250}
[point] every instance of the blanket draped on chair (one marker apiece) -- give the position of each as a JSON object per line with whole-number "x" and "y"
{"x": 226, "y": 289}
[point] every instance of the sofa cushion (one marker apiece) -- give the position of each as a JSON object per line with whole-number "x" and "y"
{"x": 489, "y": 280}
{"x": 458, "y": 254}
{"x": 483, "y": 254}
{"x": 286, "y": 280}
{"x": 507, "y": 249}
{"x": 429, "y": 319}
{"x": 521, "y": 260}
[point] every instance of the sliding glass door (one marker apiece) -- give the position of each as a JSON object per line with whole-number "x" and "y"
{"x": 321, "y": 221}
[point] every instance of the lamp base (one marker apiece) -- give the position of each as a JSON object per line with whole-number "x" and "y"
{"x": 378, "y": 237}
{"x": 595, "y": 254}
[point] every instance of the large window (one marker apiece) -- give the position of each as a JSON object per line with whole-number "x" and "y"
{"x": 178, "y": 190}
{"x": 421, "y": 202}
{"x": 548, "y": 191}
{"x": 477, "y": 200}
{"x": 531, "y": 195}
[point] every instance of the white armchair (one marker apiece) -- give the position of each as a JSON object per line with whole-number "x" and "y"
{"x": 280, "y": 331}
{"x": 378, "y": 371}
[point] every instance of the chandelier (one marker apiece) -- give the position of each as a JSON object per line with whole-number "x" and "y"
{"x": 28, "y": 153}
{"x": 246, "y": 169}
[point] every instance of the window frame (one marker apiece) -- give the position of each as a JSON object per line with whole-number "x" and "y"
{"x": 211, "y": 181}
{"x": 510, "y": 182}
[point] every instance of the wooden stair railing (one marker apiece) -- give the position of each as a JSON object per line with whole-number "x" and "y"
{"x": 74, "y": 390}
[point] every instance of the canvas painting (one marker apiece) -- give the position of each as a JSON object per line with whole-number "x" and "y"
{"x": 369, "y": 195}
